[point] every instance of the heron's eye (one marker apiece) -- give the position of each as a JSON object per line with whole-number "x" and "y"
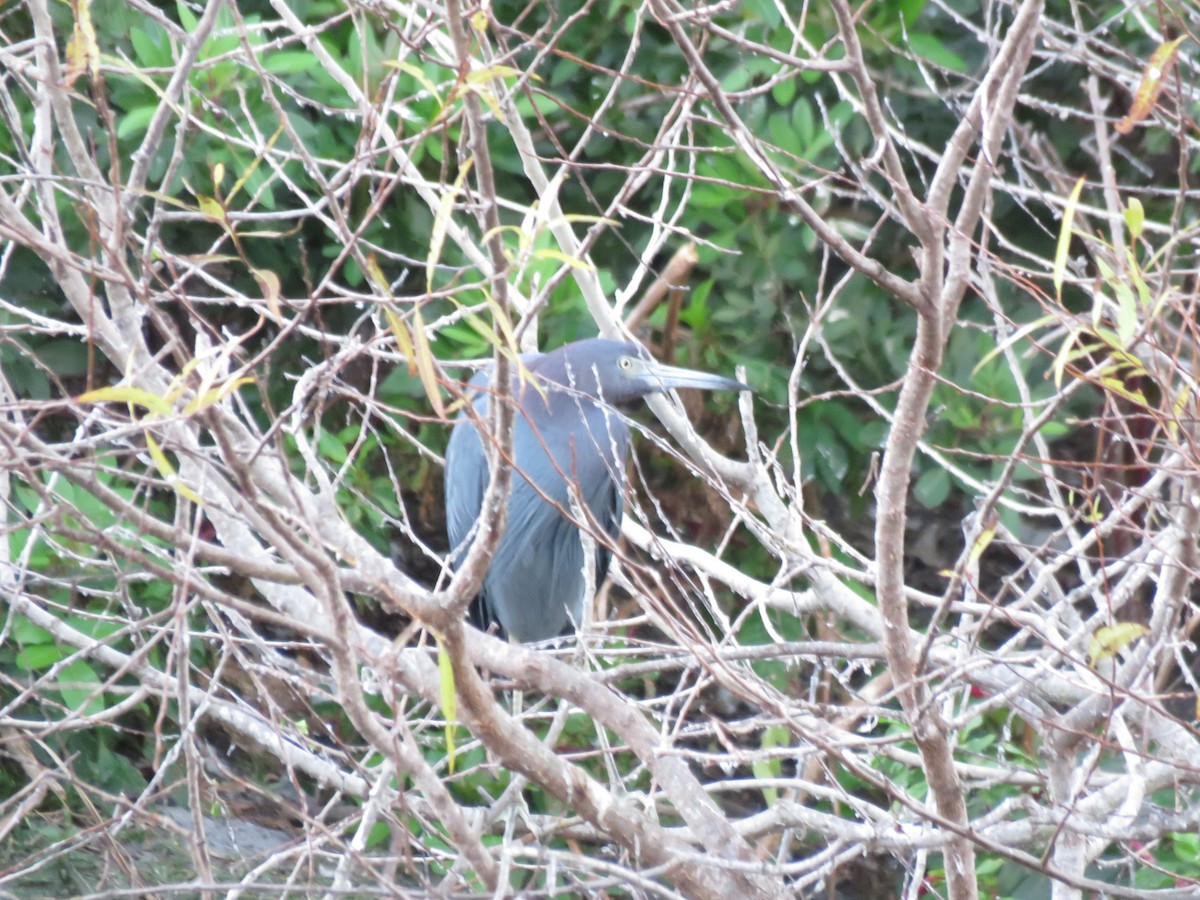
{"x": 625, "y": 363}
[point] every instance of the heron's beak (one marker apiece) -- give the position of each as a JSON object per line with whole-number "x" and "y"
{"x": 665, "y": 378}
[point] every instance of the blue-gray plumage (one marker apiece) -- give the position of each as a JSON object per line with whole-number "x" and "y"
{"x": 567, "y": 431}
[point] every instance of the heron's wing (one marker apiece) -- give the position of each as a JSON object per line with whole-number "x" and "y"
{"x": 466, "y": 473}
{"x": 610, "y": 520}
{"x": 602, "y": 478}
{"x": 466, "y": 483}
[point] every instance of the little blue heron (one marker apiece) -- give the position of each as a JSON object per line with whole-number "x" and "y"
{"x": 566, "y": 433}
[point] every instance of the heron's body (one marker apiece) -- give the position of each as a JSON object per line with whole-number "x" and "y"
{"x": 567, "y": 434}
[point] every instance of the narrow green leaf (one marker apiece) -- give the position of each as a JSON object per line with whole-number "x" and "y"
{"x": 186, "y": 17}
{"x": 135, "y": 121}
{"x": 1017, "y": 336}
{"x": 932, "y": 49}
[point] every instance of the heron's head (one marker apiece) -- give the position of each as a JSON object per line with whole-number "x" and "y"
{"x": 620, "y": 372}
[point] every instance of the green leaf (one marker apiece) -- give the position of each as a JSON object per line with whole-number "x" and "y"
{"x": 135, "y": 121}
{"x": 77, "y": 682}
{"x": 37, "y": 657}
{"x": 289, "y": 62}
{"x": 1127, "y": 320}
{"x": 933, "y": 50}
{"x": 805, "y": 124}
{"x": 186, "y": 17}
{"x": 771, "y": 766}
{"x": 331, "y": 448}
{"x": 844, "y": 422}
{"x": 93, "y": 627}
{"x": 65, "y": 357}
{"x": 783, "y": 91}
{"x": 831, "y": 459}
{"x": 696, "y": 314}
{"x": 148, "y": 51}
{"x": 932, "y": 488}
{"x": 25, "y": 632}
{"x": 764, "y": 10}
{"x": 563, "y": 72}
{"x": 910, "y": 10}
{"x": 783, "y": 135}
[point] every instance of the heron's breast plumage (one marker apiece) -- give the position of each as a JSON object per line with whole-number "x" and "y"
{"x": 535, "y": 584}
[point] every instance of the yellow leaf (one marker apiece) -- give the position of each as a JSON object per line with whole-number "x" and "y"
{"x": 375, "y": 273}
{"x": 559, "y": 256}
{"x": 1153, "y": 76}
{"x": 1178, "y": 406}
{"x": 271, "y": 287}
{"x": 1063, "y": 357}
{"x": 168, "y": 471}
{"x": 420, "y": 77}
{"x": 215, "y": 395}
{"x": 449, "y": 699}
{"x": 509, "y": 345}
{"x": 1064, "y": 237}
{"x": 1111, "y": 638}
{"x": 237, "y": 185}
{"x": 484, "y": 75}
{"x": 1119, "y": 387}
{"x": 479, "y": 21}
{"x": 403, "y": 339}
{"x": 441, "y": 221}
{"x": 212, "y": 208}
{"x": 981, "y": 544}
{"x": 152, "y": 403}
{"x": 581, "y": 217}
{"x": 486, "y": 95}
{"x": 522, "y": 235}
{"x": 423, "y": 355}
{"x": 414, "y": 346}
{"x": 1126, "y": 361}
{"x": 1135, "y": 218}
{"x": 83, "y": 53}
